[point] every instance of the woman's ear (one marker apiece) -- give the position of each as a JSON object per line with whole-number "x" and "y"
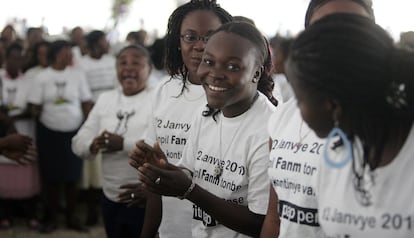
{"x": 258, "y": 74}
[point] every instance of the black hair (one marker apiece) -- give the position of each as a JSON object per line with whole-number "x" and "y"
{"x": 12, "y": 47}
{"x": 139, "y": 47}
{"x": 157, "y": 51}
{"x": 315, "y": 4}
{"x": 350, "y": 59}
{"x": 134, "y": 35}
{"x": 54, "y": 49}
{"x": 173, "y": 58}
{"x": 244, "y": 19}
{"x": 284, "y": 44}
{"x": 34, "y": 61}
{"x": 93, "y": 37}
{"x": 264, "y": 60}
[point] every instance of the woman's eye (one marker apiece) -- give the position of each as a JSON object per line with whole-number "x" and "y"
{"x": 207, "y": 62}
{"x": 233, "y": 67}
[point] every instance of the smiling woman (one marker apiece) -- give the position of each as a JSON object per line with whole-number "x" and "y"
{"x": 111, "y": 130}
{"x": 270, "y": 19}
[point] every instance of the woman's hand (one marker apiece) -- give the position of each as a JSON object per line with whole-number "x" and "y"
{"x": 19, "y": 148}
{"x": 165, "y": 179}
{"x": 133, "y": 195}
{"x": 107, "y": 142}
{"x": 144, "y": 153}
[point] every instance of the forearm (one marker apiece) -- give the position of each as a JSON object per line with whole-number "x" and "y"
{"x": 271, "y": 224}
{"x": 233, "y": 216}
{"x": 153, "y": 215}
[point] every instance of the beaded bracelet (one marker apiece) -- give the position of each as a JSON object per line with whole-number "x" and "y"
{"x": 189, "y": 190}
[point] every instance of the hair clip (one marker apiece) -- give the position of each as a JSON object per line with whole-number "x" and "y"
{"x": 397, "y": 96}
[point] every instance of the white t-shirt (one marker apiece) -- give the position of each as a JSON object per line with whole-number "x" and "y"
{"x": 282, "y": 90}
{"x": 100, "y": 73}
{"x": 119, "y": 114}
{"x": 172, "y": 115}
{"x": 60, "y": 93}
{"x": 391, "y": 213}
{"x": 294, "y": 162}
{"x": 238, "y": 145}
{"x": 33, "y": 72}
{"x": 14, "y": 96}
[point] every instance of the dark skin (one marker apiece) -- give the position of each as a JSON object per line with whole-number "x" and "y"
{"x": 63, "y": 60}
{"x": 226, "y": 72}
{"x": 175, "y": 183}
{"x": 199, "y": 23}
{"x": 18, "y": 148}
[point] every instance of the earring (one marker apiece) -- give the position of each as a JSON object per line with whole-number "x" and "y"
{"x": 255, "y": 80}
{"x": 336, "y": 131}
{"x": 178, "y": 48}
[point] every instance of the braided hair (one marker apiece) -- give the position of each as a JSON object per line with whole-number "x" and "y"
{"x": 351, "y": 59}
{"x": 173, "y": 59}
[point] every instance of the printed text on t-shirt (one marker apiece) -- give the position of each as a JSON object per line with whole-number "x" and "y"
{"x": 167, "y": 124}
{"x": 314, "y": 148}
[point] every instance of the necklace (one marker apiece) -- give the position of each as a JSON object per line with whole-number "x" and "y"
{"x": 218, "y": 169}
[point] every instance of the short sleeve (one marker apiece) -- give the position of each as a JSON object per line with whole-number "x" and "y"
{"x": 85, "y": 91}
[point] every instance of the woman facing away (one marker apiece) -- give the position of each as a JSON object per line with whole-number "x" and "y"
{"x": 227, "y": 150}
{"x": 355, "y": 88}
{"x": 295, "y": 152}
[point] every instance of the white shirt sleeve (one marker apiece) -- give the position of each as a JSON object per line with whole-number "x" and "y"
{"x": 189, "y": 152}
{"x": 88, "y": 131}
{"x": 150, "y": 136}
{"x": 85, "y": 91}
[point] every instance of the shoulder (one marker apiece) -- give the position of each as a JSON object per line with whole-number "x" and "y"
{"x": 263, "y": 106}
{"x": 108, "y": 95}
{"x": 283, "y": 115}
{"x": 168, "y": 87}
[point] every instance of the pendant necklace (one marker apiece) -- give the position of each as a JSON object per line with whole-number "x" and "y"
{"x": 218, "y": 169}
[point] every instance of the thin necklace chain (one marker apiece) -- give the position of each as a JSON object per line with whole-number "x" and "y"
{"x": 218, "y": 170}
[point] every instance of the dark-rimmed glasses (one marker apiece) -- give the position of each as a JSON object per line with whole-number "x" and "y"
{"x": 189, "y": 38}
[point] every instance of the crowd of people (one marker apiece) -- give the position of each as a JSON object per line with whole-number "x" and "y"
{"x": 214, "y": 130}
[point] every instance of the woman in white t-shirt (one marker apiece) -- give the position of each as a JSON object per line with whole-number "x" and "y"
{"x": 174, "y": 103}
{"x": 19, "y": 185}
{"x": 296, "y": 150}
{"x": 60, "y": 99}
{"x": 119, "y": 119}
{"x": 355, "y": 88}
{"x": 226, "y": 154}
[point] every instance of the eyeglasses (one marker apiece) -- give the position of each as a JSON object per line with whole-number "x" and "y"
{"x": 194, "y": 38}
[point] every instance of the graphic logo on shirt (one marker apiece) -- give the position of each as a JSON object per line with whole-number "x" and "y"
{"x": 10, "y": 98}
{"x": 300, "y": 215}
{"x": 123, "y": 119}
{"x": 200, "y": 215}
{"x": 60, "y": 99}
